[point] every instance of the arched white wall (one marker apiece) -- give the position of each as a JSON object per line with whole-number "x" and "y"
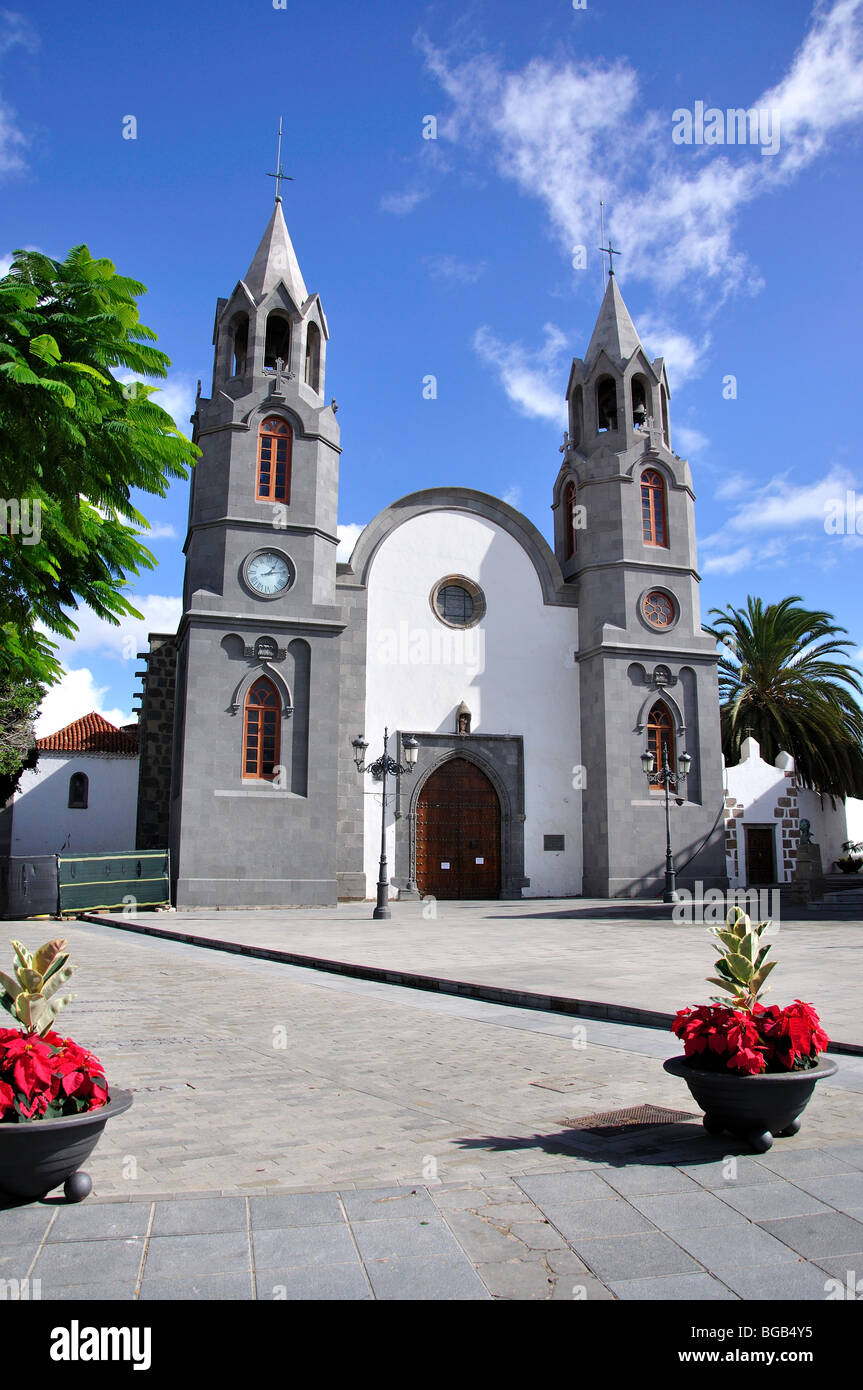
{"x": 514, "y": 670}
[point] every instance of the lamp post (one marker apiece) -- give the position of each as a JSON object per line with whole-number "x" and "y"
{"x": 379, "y": 770}
{"x": 668, "y": 780}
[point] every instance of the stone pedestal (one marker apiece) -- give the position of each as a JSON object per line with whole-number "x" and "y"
{"x": 807, "y": 881}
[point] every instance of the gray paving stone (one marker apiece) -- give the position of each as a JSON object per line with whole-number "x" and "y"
{"x": 384, "y": 1203}
{"x": 123, "y": 1292}
{"x": 207, "y": 1215}
{"x": 481, "y": 1240}
{"x": 819, "y": 1235}
{"x": 21, "y": 1225}
{"x": 190, "y": 1256}
{"x": 565, "y": 1188}
{"x": 205, "y": 1288}
{"x": 771, "y": 1200}
{"x": 522, "y": 1279}
{"x": 405, "y": 1239}
{"x": 747, "y": 1172}
{"x": 424, "y": 1278}
{"x": 638, "y": 1180}
{"x": 635, "y": 1256}
{"x": 16, "y": 1259}
{"x": 800, "y": 1282}
{"x": 750, "y": 1247}
{"x": 848, "y": 1269}
{"x": 680, "y": 1210}
{"x": 849, "y": 1153}
{"x": 804, "y": 1163}
{"x": 842, "y": 1190}
{"x": 578, "y": 1289}
{"x": 115, "y": 1221}
{"x": 673, "y": 1287}
{"x": 580, "y": 1220}
{"x": 537, "y": 1235}
{"x": 89, "y": 1262}
{"x": 302, "y": 1209}
{"x": 290, "y": 1247}
{"x": 319, "y": 1282}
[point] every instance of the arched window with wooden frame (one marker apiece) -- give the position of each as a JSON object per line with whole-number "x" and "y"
{"x": 654, "y": 514}
{"x": 261, "y": 734}
{"x": 275, "y": 443}
{"x": 570, "y": 539}
{"x": 660, "y": 740}
{"x": 79, "y": 791}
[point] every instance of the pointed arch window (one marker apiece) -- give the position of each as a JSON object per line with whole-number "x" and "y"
{"x": 654, "y": 518}
{"x": 640, "y": 400}
{"x": 278, "y": 341}
{"x": 313, "y": 356}
{"x": 239, "y": 344}
{"x": 261, "y": 732}
{"x": 660, "y": 740}
{"x": 606, "y": 403}
{"x": 275, "y": 443}
{"x": 664, "y": 399}
{"x": 79, "y": 790}
{"x": 570, "y": 538}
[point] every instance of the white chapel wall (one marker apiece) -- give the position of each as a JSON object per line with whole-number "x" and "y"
{"x": 43, "y": 822}
{"x": 514, "y": 670}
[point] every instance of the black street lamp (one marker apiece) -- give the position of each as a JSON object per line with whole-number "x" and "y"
{"x": 667, "y": 779}
{"x": 379, "y": 771}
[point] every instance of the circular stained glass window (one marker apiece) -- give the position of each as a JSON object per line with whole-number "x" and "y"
{"x": 457, "y": 601}
{"x": 658, "y": 609}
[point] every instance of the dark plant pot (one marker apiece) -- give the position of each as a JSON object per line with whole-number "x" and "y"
{"x": 37, "y": 1155}
{"x": 849, "y": 866}
{"x": 754, "y": 1107}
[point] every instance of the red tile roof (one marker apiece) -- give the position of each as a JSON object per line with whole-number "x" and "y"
{"x": 91, "y": 734}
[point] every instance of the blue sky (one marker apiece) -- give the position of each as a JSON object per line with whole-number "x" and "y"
{"x": 454, "y": 256}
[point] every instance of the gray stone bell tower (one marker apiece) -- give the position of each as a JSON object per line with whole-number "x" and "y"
{"x": 253, "y": 797}
{"x": 625, "y": 536}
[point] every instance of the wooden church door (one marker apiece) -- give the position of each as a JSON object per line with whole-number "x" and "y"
{"x": 458, "y": 834}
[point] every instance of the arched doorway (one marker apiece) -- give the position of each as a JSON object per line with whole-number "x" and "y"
{"x": 458, "y": 833}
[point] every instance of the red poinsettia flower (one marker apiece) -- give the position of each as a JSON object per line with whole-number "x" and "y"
{"x": 31, "y": 1059}
{"x": 7, "y": 1098}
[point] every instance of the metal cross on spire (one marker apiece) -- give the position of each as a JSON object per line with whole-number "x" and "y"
{"x": 280, "y": 173}
{"x": 610, "y": 253}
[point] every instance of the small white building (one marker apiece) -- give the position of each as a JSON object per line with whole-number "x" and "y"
{"x": 82, "y": 797}
{"x": 764, "y": 809}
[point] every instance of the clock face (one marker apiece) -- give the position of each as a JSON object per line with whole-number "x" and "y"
{"x": 270, "y": 573}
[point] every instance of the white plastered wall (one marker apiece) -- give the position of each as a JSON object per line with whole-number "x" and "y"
{"x": 514, "y": 670}
{"x": 43, "y": 822}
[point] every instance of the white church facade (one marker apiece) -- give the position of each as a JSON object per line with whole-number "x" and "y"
{"x": 531, "y": 677}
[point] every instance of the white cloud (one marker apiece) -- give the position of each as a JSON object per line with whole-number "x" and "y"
{"x": 530, "y": 379}
{"x": 122, "y": 643}
{"x": 348, "y": 534}
{"x": 15, "y": 31}
{"x": 159, "y": 532}
{"x": 513, "y": 496}
{"x": 400, "y": 204}
{"x": 794, "y": 513}
{"x": 76, "y": 694}
{"x": 684, "y": 358}
{"x": 568, "y": 133}
{"x": 451, "y": 268}
{"x": 690, "y": 440}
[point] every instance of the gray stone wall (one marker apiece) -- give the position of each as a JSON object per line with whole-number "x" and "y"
{"x": 156, "y": 742}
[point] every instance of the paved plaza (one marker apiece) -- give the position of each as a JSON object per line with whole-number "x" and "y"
{"x": 303, "y": 1134}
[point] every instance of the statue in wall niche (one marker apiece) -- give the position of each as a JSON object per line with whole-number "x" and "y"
{"x": 464, "y": 724}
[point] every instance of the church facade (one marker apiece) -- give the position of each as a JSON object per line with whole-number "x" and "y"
{"x": 531, "y": 678}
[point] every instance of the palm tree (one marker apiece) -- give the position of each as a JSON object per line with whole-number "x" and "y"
{"x": 784, "y": 677}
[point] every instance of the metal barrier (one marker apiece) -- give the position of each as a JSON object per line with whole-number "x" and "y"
{"x": 130, "y": 878}
{"x": 28, "y": 886}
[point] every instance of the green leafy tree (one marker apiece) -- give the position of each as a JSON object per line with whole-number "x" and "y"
{"x": 74, "y": 444}
{"x": 784, "y": 675}
{"x": 19, "y": 705}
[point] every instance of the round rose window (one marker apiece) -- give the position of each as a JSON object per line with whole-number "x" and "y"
{"x": 658, "y": 609}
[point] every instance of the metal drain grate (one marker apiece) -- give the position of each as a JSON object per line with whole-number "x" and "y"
{"x": 613, "y": 1122}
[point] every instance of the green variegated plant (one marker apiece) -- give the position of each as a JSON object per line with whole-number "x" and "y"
{"x": 29, "y": 997}
{"x": 742, "y": 968}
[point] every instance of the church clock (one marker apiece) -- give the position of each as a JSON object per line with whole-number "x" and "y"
{"x": 268, "y": 573}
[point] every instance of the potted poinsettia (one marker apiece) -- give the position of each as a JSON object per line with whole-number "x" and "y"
{"x": 752, "y": 1069}
{"x": 54, "y": 1098}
